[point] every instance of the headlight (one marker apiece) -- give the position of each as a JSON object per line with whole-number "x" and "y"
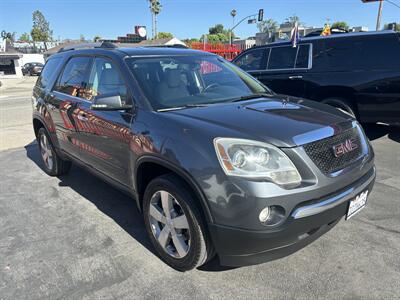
{"x": 252, "y": 159}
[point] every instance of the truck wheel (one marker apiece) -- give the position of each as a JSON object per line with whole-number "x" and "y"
{"x": 341, "y": 104}
{"x": 53, "y": 164}
{"x": 174, "y": 223}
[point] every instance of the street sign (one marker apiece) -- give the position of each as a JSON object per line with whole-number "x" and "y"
{"x": 260, "y": 15}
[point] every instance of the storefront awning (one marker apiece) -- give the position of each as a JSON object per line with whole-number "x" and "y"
{"x": 10, "y": 56}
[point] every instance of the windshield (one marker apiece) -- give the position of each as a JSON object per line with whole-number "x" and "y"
{"x": 179, "y": 81}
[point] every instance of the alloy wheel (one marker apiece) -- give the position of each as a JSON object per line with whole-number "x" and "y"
{"x": 169, "y": 224}
{"x": 46, "y": 151}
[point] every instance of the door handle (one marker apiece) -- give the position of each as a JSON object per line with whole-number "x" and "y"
{"x": 82, "y": 118}
{"x": 295, "y": 77}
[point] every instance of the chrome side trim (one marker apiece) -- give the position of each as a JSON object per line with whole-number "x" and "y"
{"x": 331, "y": 202}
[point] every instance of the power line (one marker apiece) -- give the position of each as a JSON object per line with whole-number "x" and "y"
{"x": 391, "y": 2}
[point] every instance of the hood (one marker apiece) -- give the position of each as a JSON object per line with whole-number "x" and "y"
{"x": 278, "y": 120}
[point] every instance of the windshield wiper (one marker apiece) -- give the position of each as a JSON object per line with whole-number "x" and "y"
{"x": 182, "y": 107}
{"x": 251, "y": 96}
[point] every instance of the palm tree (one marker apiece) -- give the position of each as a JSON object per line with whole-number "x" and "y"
{"x": 293, "y": 20}
{"x": 269, "y": 26}
{"x": 155, "y": 8}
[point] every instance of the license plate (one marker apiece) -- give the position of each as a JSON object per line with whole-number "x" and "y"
{"x": 357, "y": 204}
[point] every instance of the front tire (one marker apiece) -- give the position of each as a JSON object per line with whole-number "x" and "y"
{"x": 174, "y": 223}
{"x": 53, "y": 164}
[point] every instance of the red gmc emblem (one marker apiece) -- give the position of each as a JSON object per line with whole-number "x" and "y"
{"x": 345, "y": 147}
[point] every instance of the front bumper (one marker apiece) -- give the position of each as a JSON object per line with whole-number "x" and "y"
{"x": 308, "y": 221}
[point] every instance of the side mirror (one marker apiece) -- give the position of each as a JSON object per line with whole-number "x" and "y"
{"x": 109, "y": 102}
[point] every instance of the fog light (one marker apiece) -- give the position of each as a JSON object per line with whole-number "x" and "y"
{"x": 264, "y": 215}
{"x": 272, "y": 215}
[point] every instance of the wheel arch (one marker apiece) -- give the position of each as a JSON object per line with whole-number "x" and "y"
{"x": 342, "y": 94}
{"x": 325, "y": 92}
{"x": 37, "y": 124}
{"x": 149, "y": 167}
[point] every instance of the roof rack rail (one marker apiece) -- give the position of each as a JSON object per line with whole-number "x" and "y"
{"x": 102, "y": 45}
{"x": 166, "y": 46}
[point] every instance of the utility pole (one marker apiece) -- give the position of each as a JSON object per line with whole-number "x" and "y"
{"x": 378, "y": 20}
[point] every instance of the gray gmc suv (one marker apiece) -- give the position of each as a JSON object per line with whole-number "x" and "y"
{"x": 217, "y": 163}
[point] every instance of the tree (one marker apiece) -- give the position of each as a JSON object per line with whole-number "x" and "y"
{"x": 268, "y": 26}
{"x": 81, "y": 38}
{"x": 340, "y": 25}
{"x": 164, "y": 35}
{"x": 96, "y": 38}
{"x": 218, "y": 34}
{"x": 188, "y": 42}
{"x": 396, "y": 29}
{"x": 293, "y": 19}
{"x": 217, "y": 38}
{"x": 41, "y": 31}
{"x": 8, "y": 36}
{"x": 155, "y": 8}
{"x": 25, "y": 37}
{"x": 219, "y": 28}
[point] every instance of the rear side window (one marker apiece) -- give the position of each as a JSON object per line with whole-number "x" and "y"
{"x": 303, "y": 56}
{"x": 75, "y": 77}
{"x": 282, "y": 58}
{"x": 48, "y": 72}
{"x": 377, "y": 53}
{"x": 252, "y": 60}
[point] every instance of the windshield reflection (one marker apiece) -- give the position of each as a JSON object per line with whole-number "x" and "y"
{"x": 187, "y": 81}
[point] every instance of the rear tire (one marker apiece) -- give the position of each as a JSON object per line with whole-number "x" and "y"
{"x": 174, "y": 223}
{"x": 341, "y": 104}
{"x": 53, "y": 165}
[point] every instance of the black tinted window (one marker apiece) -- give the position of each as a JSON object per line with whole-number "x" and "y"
{"x": 251, "y": 60}
{"x": 74, "y": 78}
{"x": 105, "y": 79}
{"x": 48, "y": 72}
{"x": 303, "y": 57}
{"x": 340, "y": 54}
{"x": 282, "y": 58}
{"x": 377, "y": 54}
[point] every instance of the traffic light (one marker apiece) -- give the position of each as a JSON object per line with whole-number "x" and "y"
{"x": 260, "y": 15}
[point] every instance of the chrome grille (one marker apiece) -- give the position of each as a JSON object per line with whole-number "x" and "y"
{"x": 322, "y": 152}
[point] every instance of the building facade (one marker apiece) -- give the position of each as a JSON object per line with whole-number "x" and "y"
{"x": 10, "y": 61}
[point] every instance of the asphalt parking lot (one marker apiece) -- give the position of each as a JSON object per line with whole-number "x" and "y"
{"x": 16, "y": 112}
{"x": 74, "y": 237}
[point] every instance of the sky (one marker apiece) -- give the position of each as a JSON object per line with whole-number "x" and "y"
{"x": 183, "y": 18}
